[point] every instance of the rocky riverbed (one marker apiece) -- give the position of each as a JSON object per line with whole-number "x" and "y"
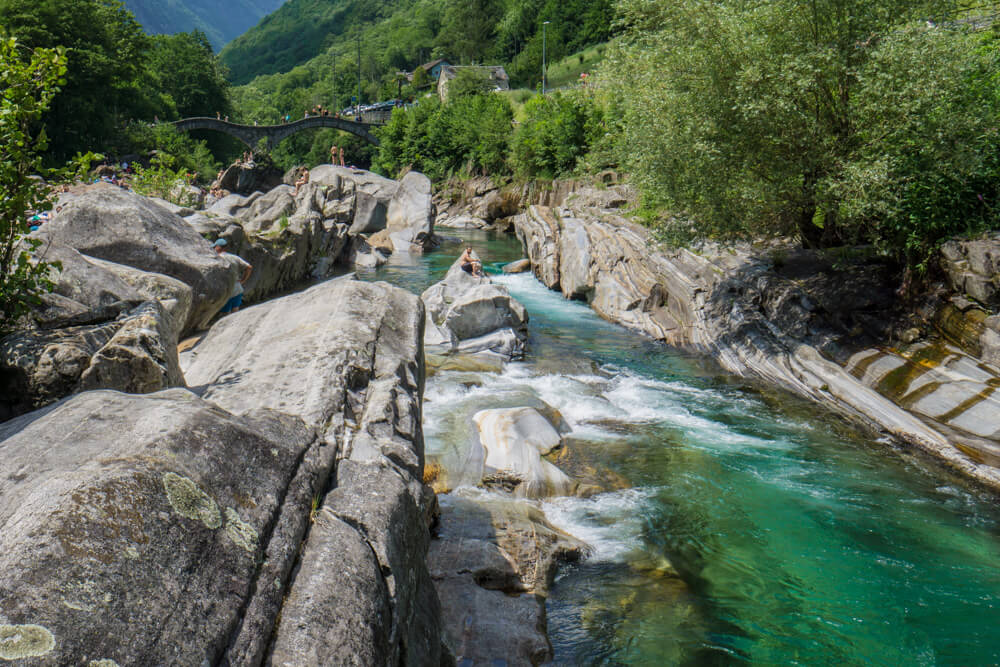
{"x": 258, "y": 499}
{"x": 830, "y": 328}
{"x": 264, "y": 498}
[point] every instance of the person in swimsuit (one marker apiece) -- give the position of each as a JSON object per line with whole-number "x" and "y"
{"x": 470, "y": 263}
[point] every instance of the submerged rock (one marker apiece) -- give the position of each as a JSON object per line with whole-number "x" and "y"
{"x": 492, "y": 564}
{"x": 514, "y": 440}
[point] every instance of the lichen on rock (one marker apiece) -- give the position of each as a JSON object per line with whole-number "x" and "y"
{"x": 240, "y": 532}
{"x": 25, "y": 641}
{"x": 103, "y": 663}
{"x": 190, "y": 501}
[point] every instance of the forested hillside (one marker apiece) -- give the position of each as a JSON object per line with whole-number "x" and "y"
{"x": 220, "y": 20}
{"x": 400, "y": 34}
{"x": 118, "y": 78}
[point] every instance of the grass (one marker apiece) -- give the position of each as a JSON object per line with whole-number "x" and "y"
{"x": 567, "y": 71}
{"x": 562, "y": 74}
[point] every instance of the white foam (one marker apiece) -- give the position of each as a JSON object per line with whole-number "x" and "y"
{"x": 611, "y": 523}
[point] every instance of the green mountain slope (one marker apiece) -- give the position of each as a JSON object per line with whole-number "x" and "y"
{"x": 220, "y": 20}
{"x": 399, "y": 34}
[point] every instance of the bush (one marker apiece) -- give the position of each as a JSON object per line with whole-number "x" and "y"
{"x": 835, "y": 120}
{"x": 29, "y": 87}
{"x": 927, "y": 164}
{"x": 557, "y": 131}
{"x": 469, "y": 134}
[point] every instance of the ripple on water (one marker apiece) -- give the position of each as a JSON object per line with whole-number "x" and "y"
{"x": 793, "y": 538}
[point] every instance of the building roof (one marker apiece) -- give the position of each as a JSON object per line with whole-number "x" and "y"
{"x": 432, "y": 64}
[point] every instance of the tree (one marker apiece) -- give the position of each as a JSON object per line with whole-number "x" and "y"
{"x": 420, "y": 78}
{"x": 105, "y": 49}
{"x": 26, "y": 91}
{"x": 183, "y": 67}
{"x": 557, "y": 130}
{"x": 744, "y": 117}
{"x": 469, "y": 81}
{"x": 469, "y": 28}
{"x": 468, "y": 134}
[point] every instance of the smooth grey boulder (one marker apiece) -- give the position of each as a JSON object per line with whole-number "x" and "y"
{"x": 411, "y": 212}
{"x": 470, "y": 313}
{"x": 121, "y": 227}
{"x": 363, "y": 256}
{"x": 369, "y": 214}
{"x": 84, "y": 291}
{"x": 182, "y": 211}
{"x": 327, "y": 623}
{"x": 513, "y": 442}
{"x": 40, "y": 367}
{"x": 492, "y": 563}
{"x": 519, "y": 266}
{"x": 973, "y": 268}
{"x": 141, "y": 358}
{"x": 174, "y": 296}
{"x": 376, "y": 500}
{"x": 136, "y": 353}
{"x": 128, "y": 534}
{"x": 345, "y": 356}
{"x": 88, "y": 290}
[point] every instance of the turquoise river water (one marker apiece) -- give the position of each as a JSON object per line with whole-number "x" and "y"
{"x": 736, "y": 525}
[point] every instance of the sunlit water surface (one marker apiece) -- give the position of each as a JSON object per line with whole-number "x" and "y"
{"x": 735, "y": 525}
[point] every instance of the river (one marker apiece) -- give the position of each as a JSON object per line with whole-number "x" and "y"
{"x": 734, "y": 524}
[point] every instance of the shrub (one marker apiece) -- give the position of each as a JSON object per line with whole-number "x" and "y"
{"x": 557, "y": 131}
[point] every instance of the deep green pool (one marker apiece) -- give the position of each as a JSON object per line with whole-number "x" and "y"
{"x": 736, "y": 525}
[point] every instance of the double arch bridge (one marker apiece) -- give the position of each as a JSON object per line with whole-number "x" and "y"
{"x": 275, "y": 134}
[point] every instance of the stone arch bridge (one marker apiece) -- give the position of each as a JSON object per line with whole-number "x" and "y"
{"x": 275, "y": 134}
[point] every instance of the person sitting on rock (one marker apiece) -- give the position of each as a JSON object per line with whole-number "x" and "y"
{"x": 303, "y": 179}
{"x": 236, "y": 295}
{"x": 470, "y": 262}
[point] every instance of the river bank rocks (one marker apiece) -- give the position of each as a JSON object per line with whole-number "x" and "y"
{"x": 136, "y": 353}
{"x": 117, "y": 250}
{"x": 492, "y": 563}
{"x": 482, "y": 202}
{"x": 792, "y": 318}
{"x": 272, "y": 514}
{"x": 111, "y": 224}
{"x": 470, "y": 314}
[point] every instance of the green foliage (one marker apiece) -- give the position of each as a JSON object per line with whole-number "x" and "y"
{"x": 927, "y": 164}
{"x": 469, "y": 82}
{"x": 823, "y": 119}
{"x": 29, "y": 81}
{"x": 104, "y": 46}
{"x": 557, "y": 130}
{"x": 116, "y": 74}
{"x": 566, "y": 72}
{"x": 421, "y": 79}
{"x": 468, "y": 29}
{"x": 161, "y": 179}
{"x": 183, "y": 68}
{"x": 469, "y": 134}
{"x": 186, "y": 154}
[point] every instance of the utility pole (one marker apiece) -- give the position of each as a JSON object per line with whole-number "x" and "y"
{"x": 335, "y": 103}
{"x": 545, "y": 23}
{"x": 359, "y": 77}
